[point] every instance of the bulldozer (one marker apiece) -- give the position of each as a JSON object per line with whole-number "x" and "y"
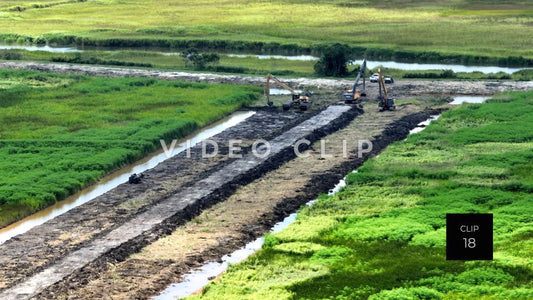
{"x": 385, "y": 102}
{"x": 297, "y": 100}
{"x": 353, "y": 96}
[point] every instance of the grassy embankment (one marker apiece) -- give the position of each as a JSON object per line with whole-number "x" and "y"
{"x": 60, "y": 133}
{"x": 235, "y": 65}
{"x": 383, "y": 236}
{"x": 474, "y": 32}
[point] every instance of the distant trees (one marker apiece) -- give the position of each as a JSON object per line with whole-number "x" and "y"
{"x": 198, "y": 60}
{"x": 334, "y": 60}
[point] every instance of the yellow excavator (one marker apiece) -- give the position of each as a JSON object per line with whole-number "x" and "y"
{"x": 385, "y": 103}
{"x": 354, "y": 95}
{"x": 298, "y": 100}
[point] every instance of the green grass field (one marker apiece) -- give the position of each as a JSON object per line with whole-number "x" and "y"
{"x": 60, "y": 133}
{"x": 384, "y": 235}
{"x": 449, "y": 27}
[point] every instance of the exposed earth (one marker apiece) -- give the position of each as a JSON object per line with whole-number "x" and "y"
{"x": 133, "y": 241}
{"x": 402, "y": 88}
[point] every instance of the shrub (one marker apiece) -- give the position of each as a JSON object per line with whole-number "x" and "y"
{"x": 331, "y": 255}
{"x": 270, "y": 241}
{"x": 484, "y": 275}
{"x": 199, "y": 60}
{"x": 363, "y": 178}
{"x": 443, "y": 74}
{"x": 10, "y": 54}
{"x": 40, "y": 40}
{"x": 334, "y": 60}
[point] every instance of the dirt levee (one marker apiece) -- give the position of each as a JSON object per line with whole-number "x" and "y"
{"x": 404, "y": 87}
{"x": 249, "y": 212}
{"x": 165, "y": 215}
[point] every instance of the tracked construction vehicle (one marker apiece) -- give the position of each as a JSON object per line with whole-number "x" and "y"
{"x": 385, "y": 103}
{"x": 297, "y": 101}
{"x": 354, "y": 95}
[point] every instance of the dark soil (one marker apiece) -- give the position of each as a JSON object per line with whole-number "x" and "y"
{"x": 257, "y": 226}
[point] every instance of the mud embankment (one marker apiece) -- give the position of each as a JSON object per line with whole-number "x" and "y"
{"x": 25, "y": 254}
{"x": 249, "y": 212}
{"x": 404, "y": 87}
{"x": 164, "y": 216}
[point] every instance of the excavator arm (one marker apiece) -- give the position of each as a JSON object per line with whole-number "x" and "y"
{"x": 297, "y": 100}
{"x": 283, "y": 85}
{"x": 382, "y": 85}
{"x": 352, "y": 95}
{"x": 385, "y": 103}
{"x": 362, "y": 71}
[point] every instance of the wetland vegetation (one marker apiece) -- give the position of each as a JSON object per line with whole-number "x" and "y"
{"x": 59, "y": 133}
{"x": 384, "y": 235}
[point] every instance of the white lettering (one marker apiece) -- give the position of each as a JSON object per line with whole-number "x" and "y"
{"x": 204, "y": 149}
{"x": 168, "y": 151}
{"x": 297, "y": 145}
{"x": 266, "y": 146}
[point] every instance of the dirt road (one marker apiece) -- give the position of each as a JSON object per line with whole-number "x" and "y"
{"x": 401, "y": 87}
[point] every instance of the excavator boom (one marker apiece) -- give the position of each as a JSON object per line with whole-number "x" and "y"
{"x": 362, "y": 71}
{"x": 283, "y": 85}
{"x": 351, "y": 96}
{"x": 382, "y": 85}
{"x": 302, "y": 101}
{"x": 385, "y": 103}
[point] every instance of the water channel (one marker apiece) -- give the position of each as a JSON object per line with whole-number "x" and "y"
{"x": 370, "y": 63}
{"x": 111, "y": 181}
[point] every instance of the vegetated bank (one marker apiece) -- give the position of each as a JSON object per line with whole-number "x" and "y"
{"x": 383, "y": 236}
{"x": 413, "y": 31}
{"x": 59, "y": 133}
{"x": 234, "y": 65}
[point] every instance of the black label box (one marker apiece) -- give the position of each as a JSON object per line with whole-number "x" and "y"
{"x": 469, "y": 237}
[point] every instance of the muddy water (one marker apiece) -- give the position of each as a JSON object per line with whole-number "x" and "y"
{"x": 113, "y": 180}
{"x": 422, "y": 125}
{"x": 282, "y": 92}
{"x": 455, "y": 68}
{"x": 371, "y": 64}
{"x": 287, "y": 57}
{"x": 41, "y": 48}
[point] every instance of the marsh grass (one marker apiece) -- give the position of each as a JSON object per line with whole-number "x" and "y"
{"x": 60, "y": 133}
{"x": 384, "y": 235}
{"x": 467, "y": 31}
